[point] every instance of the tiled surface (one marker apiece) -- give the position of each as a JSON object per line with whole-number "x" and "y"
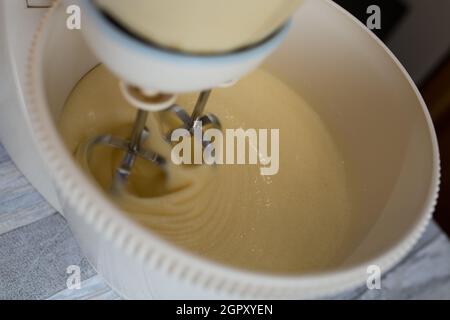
{"x": 20, "y": 205}
{"x": 37, "y": 247}
{"x": 35, "y": 258}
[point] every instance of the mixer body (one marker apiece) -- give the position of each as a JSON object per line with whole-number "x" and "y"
{"x": 17, "y": 25}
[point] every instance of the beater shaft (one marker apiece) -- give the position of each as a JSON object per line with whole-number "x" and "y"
{"x": 200, "y": 106}
{"x": 124, "y": 170}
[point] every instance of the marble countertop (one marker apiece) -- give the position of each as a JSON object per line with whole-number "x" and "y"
{"x": 37, "y": 246}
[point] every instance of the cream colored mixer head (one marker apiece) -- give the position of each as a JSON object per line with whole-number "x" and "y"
{"x": 201, "y": 26}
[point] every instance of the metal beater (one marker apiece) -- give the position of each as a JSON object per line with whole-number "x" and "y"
{"x": 133, "y": 147}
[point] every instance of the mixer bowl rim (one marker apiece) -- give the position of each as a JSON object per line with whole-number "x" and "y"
{"x": 127, "y": 235}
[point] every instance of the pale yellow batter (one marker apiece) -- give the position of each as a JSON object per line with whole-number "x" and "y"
{"x": 296, "y": 221}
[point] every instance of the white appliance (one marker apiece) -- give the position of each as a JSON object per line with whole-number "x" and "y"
{"x": 19, "y": 20}
{"x": 361, "y": 91}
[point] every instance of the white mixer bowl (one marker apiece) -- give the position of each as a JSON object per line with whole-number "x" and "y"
{"x": 362, "y": 93}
